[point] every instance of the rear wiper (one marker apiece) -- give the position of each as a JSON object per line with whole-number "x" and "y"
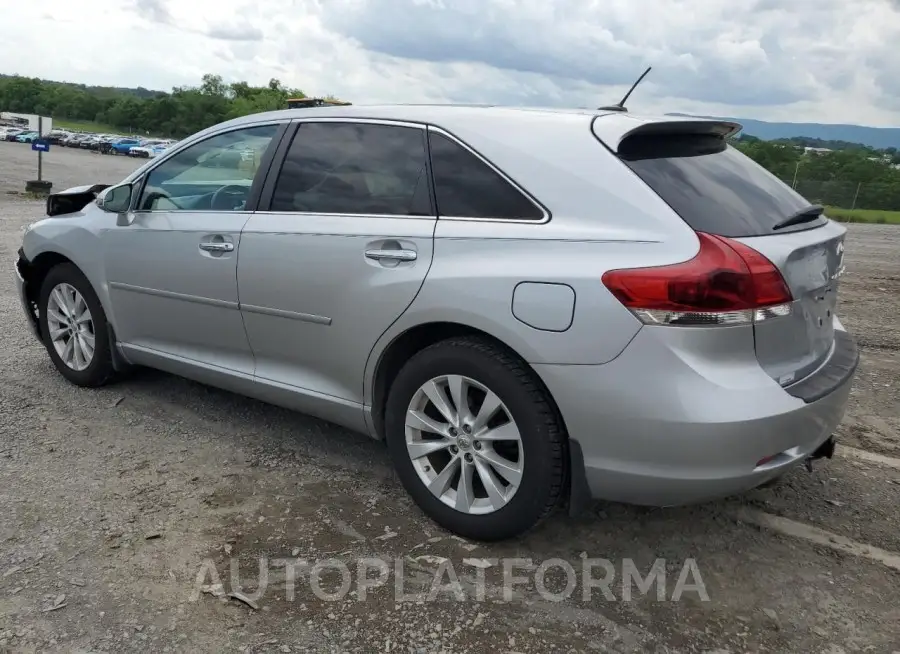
{"x": 805, "y": 215}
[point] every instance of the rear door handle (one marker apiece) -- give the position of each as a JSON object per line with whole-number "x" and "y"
{"x": 391, "y": 255}
{"x": 217, "y": 247}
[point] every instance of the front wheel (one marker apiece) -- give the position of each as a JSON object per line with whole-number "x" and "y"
{"x": 475, "y": 439}
{"x": 74, "y": 327}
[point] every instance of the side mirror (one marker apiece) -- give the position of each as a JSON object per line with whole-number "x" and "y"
{"x": 117, "y": 199}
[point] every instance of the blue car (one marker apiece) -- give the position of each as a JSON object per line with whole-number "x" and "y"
{"x": 27, "y": 137}
{"x": 123, "y": 146}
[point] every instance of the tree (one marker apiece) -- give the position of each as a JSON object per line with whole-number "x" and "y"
{"x": 181, "y": 112}
{"x": 858, "y": 176}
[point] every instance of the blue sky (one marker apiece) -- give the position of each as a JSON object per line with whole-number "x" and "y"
{"x": 798, "y": 60}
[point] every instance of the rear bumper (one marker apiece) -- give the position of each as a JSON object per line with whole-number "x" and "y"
{"x": 661, "y": 425}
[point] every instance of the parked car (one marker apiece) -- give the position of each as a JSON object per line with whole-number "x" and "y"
{"x": 529, "y": 307}
{"x": 27, "y": 137}
{"x": 143, "y": 150}
{"x": 71, "y": 140}
{"x": 11, "y": 131}
{"x": 123, "y": 146}
{"x": 56, "y": 137}
{"x": 91, "y": 142}
{"x": 106, "y": 142}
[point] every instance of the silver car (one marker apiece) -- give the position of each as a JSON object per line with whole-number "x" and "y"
{"x": 532, "y": 308}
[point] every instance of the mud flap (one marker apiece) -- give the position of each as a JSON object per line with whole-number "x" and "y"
{"x": 579, "y": 491}
{"x": 824, "y": 451}
{"x": 119, "y": 362}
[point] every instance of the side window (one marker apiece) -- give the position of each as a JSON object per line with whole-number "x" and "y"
{"x": 354, "y": 168}
{"x": 213, "y": 175}
{"x": 466, "y": 187}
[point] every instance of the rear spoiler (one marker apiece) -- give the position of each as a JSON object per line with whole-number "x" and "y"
{"x": 73, "y": 199}
{"x": 614, "y": 129}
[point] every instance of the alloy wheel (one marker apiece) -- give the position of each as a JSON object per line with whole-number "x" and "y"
{"x": 464, "y": 444}
{"x": 70, "y": 326}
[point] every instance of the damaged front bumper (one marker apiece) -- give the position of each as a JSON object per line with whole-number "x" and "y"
{"x": 73, "y": 199}
{"x": 26, "y": 297}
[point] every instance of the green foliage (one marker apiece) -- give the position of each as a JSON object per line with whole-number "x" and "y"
{"x": 180, "y": 113}
{"x": 852, "y": 177}
{"x": 863, "y": 216}
{"x": 85, "y": 126}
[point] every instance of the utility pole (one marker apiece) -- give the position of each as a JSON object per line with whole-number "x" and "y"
{"x": 40, "y": 152}
{"x": 855, "y": 197}
{"x": 39, "y": 186}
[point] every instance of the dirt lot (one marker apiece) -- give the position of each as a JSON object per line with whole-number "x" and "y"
{"x": 112, "y": 500}
{"x": 62, "y": 166}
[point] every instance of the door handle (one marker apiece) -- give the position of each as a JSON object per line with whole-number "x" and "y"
{"x": 217, "y": 247}
{"x": 391, "y": 255}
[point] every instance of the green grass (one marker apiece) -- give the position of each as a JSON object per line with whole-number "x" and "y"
{"x": 863, "y": 216}
{"x": 87, "y": 126}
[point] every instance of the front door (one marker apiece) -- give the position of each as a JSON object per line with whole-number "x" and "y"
{"x": 172, "y": 272}
{"x": 341, "y": 252}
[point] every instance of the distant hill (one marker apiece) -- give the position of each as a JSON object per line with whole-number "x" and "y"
{"x": 875, "y": 137}
{"x": 104, "y": 91}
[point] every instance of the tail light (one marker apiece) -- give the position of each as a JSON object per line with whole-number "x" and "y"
{"x": 727, "y": 283}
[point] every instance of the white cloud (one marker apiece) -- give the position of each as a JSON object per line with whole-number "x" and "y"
{"x": 804, "y": 60}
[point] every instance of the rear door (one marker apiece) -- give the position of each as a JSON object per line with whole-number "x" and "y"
{"x": 718, "y": 190}
{"x": 338, "y": 251}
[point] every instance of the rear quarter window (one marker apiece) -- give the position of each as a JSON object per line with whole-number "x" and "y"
{"x": 713, "y": 186}
{"x": 466, "y": 187}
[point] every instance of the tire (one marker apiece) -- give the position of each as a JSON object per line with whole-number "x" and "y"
{"x": 540, "y": 450}
{"x": 99, "y": 369}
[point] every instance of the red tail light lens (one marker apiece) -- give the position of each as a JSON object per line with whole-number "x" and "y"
{"x": 726, "y": 283}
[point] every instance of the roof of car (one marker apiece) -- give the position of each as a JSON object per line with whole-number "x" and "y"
{"x": 615, "y": 124}
{"x": 405, "y": 112}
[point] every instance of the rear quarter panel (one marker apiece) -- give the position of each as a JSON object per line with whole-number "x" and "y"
{"x": 602, "y": 217}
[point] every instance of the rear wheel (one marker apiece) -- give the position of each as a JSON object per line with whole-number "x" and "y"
{"x": 74, "y": 327}
{"x": 475, "y": 439}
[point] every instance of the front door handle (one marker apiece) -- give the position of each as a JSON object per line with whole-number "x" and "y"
{"x": 217, "y": 247}
{"x": 391, "y": 255}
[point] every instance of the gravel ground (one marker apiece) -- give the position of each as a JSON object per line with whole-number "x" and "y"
{"x": 118, "y": 504}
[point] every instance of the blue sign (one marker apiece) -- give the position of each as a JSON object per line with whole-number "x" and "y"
{"x": 40, "y": 145}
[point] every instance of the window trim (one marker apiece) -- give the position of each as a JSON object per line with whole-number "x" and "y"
{"x": 547, "y": 216}
{"x": 256, "y": 185}
{"x": 268, "y": 190}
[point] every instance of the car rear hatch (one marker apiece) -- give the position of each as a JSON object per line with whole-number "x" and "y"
{"x": 719, "y": 191}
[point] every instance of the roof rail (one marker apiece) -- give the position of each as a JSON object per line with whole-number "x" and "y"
{"x": 304, "y": 103}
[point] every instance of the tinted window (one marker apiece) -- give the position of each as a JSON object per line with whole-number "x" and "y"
{"x": 212, "y": 175}
{"x": 354, "y": 168}
{"x": 711, "y": 185}
{"x": 466, "y": 187}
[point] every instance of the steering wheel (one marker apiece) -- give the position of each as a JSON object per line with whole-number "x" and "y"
{"x": 234, "y": 194}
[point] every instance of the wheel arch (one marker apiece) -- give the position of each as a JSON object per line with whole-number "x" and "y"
{"x": 415, "y": 339}
{"x": 34, "y": 277}
{"x": 37, "y": 271}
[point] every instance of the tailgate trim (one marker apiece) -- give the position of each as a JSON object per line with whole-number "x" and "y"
{"x": 839, "y": 369}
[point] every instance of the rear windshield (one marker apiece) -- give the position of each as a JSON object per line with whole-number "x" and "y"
{"x": 712, "y": 186}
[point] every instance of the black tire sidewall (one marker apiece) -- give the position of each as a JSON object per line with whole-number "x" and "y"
{"x": 543, "y": 465}
{"x": 100, "y": 368}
